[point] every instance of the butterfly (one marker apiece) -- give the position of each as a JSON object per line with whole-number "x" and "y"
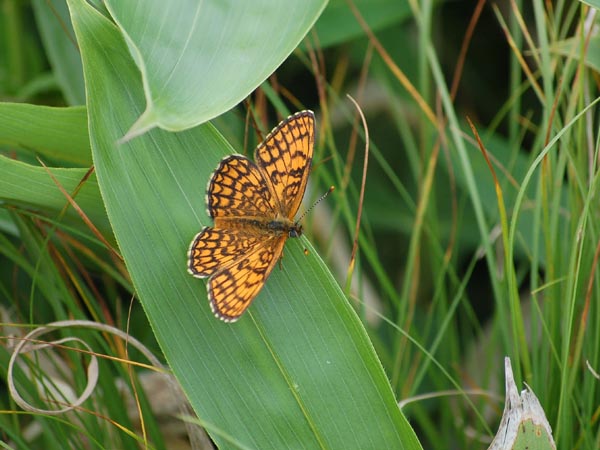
{"x": 253, "y": 205}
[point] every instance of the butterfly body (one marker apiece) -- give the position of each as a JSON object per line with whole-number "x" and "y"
{"x": 279, "y": 225}
{"x": 253, "y": 205}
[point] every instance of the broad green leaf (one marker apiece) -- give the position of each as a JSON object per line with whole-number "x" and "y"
{"x": 58, "y": 133}
{"x": 298, "y": 369}
{"x": 31, "y": 186}
{"x": 199, "y": 59}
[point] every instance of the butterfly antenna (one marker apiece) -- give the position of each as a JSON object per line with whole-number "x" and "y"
{"x": 329, "y": 191}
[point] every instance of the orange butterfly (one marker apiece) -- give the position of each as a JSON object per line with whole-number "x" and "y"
{"x": 253, "y": 205}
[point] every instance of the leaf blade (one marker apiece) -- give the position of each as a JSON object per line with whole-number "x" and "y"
{"x": 278, "y": 377}
{"x": 199, "y": 59}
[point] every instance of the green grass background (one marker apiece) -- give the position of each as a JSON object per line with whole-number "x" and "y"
{"x": 457, "y": 265}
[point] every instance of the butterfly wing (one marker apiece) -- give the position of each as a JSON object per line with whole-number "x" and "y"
{"x": 232, "y": 289}
{"x": 216, "y": 248}
{"x": 237, "y": 189}
{"x": 238, "y": 264}
{"x": 285, "y": 158}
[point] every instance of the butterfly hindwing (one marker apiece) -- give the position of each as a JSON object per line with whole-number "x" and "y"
{"x": 232, "y": 289}
{"x": 216, "y": 248}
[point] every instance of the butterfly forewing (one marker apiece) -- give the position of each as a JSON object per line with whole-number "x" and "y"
{"x": 285, "y": 158}
{"x": 237, "y": 189}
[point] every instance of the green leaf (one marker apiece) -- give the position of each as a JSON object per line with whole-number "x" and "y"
{"x": 574, "y": 47}
{"x": 31, "y": 186}
{"x": 199, "y": 59}
{"x": 58, "y": 133}
{"x": 338, "y": 24}
{"x": 592, "y": 3}
{"x": 57, "y": 34}
{"x": 298, "y": 369}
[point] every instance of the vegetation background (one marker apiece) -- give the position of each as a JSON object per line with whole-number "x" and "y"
{"x": 464, "y": 254}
